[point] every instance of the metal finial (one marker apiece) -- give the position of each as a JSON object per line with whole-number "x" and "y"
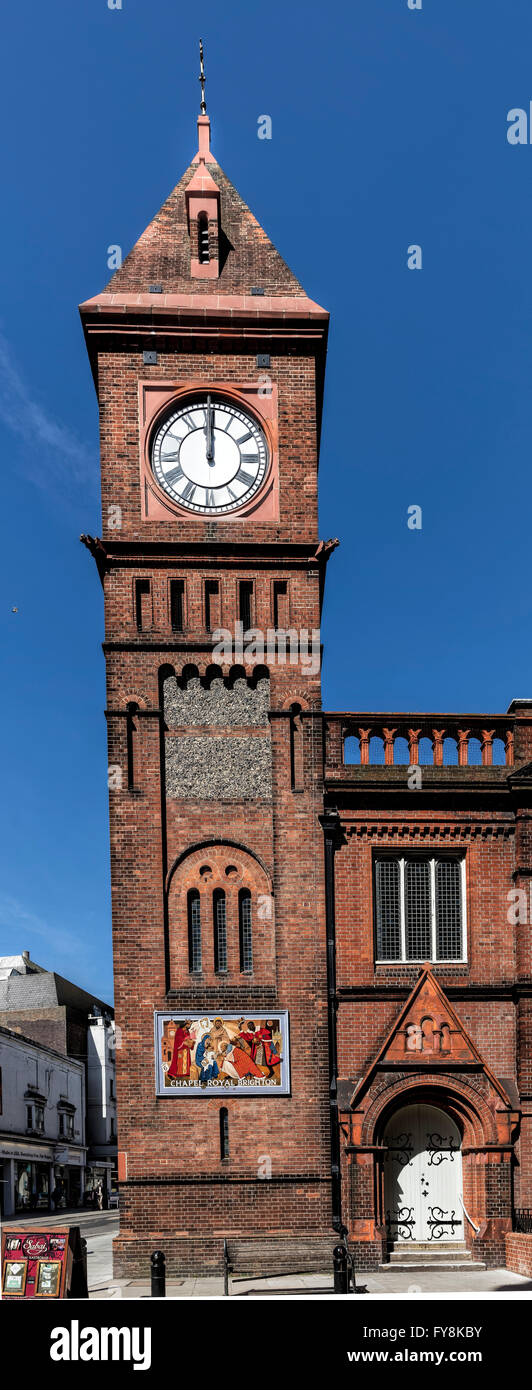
{"x": 203, "y": 107}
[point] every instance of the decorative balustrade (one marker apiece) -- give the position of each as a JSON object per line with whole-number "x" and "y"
{"x": 435, "y": 740}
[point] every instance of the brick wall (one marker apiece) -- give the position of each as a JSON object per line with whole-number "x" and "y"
{"x": 202, "y": 783}
{"x": 518, "y": 1250}
{"x": 184, "y": 790}
{"x": 47, "y": 1026}
{"x": 294, "y": 376}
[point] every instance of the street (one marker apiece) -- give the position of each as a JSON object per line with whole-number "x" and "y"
{"x": 100, "y": 1227}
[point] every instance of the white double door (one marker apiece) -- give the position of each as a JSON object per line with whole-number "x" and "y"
{"x": 423, "y": 1177}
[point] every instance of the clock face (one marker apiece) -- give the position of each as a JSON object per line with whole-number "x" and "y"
{"x": 209, "y": 456}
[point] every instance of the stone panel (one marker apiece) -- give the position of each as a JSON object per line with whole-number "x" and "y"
{"x": 219, "y": 704}
{"x": 210, "y": 768}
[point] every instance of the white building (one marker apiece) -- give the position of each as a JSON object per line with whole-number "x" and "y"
{"x": 42, "y": 1126}
{"x": 101, "y": 1098}
{"x": 41, "y": 1005}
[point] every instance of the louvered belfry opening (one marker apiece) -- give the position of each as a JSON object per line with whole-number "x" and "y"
{"x": 203, "y": 239}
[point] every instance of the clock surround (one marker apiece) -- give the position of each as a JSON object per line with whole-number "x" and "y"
{"x": 209, "y": 456}
{"x": 162, "y": 401}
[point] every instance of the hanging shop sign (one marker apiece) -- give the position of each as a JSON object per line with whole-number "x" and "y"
{"x": 43, "y": 1264}
{"x": 220, "y": 1054}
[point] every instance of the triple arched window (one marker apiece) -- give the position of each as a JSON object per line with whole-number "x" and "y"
{"x": 219, "y": 930}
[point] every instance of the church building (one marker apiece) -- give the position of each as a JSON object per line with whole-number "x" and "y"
{"x": 321, "y": 921}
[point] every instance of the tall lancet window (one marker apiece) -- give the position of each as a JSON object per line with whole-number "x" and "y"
{"x": 220, "y": 932}
{"x": 194, "y": 931}
{"x": 245, "y": 931}
{"x": 224, "y": 1133}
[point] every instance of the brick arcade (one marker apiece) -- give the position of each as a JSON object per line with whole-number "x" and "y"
{"x": 267, "y": 856}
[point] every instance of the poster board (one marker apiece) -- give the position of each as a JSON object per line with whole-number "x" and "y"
{"x": 43, "y": 1264}
{"x": 210, "y": 1053}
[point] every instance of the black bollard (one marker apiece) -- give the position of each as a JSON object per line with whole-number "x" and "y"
{"x": 84, "y": 1258}
{"x": 158, "y": 1274}
{"x": 341, "y": 1277}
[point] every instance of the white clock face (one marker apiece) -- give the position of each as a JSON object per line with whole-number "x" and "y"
{"x": 209, "y": 456}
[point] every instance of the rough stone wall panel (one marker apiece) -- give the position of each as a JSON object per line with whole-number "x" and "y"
{"x": 190, "y": 702}
{"x": 218, "y": 769}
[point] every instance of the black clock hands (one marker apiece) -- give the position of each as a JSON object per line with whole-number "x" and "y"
{"x": 209, "y": 431}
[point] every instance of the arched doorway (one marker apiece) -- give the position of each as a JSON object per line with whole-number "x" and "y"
{"x": 423, "y": 1177}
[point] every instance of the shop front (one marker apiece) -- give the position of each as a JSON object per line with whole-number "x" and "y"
{"x": 32, "y": 1186}
{"x": 26, "y": 1177}
{"x": 40, "y": 1178}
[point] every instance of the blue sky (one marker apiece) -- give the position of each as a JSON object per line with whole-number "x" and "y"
{"x": 389, "y": 129}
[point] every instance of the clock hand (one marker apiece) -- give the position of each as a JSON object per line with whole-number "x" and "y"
{"x": 209, "y": 432}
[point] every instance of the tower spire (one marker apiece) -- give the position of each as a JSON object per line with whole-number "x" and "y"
{"x": 203, "y": 106}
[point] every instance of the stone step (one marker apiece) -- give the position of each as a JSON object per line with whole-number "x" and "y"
{"x": 411, "y": 1266}
{"x": 402, "y": 1245}
{"x": 429, "y": 1256}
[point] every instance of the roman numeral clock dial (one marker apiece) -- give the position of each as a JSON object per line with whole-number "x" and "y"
{"x": 209, "y": 456}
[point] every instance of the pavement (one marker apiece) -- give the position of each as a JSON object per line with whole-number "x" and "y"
{"x": 491, "y": 1281}
{"x": 100, "y": 1227}
{"x": 385, "y": 1286}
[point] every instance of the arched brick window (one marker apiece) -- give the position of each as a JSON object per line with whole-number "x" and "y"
{"x": 245, "y": 931}
{"x": 296, "y": 748}
{"x": 131, "y": 741}
{"x": 194, "y": 931}
{"x": 220, "y": 931}
{"x": 223, "y": 884}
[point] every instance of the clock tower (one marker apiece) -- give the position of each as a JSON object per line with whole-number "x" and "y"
{"x": 208, "y": 359}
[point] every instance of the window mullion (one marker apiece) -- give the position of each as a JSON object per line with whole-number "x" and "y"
{"x": 402, "y": 907}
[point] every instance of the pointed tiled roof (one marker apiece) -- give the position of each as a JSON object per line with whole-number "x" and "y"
{"x": 161, "y": 256}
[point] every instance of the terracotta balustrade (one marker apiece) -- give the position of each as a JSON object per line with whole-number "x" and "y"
{"x": 412, "y": 730}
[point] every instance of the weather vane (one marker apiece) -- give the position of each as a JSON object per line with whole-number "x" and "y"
{"x": 203, "y": 107}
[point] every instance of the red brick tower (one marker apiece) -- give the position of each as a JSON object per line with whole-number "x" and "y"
{"x": 208, "y": 359}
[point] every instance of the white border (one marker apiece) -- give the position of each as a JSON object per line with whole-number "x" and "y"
{"x": 267, "y": 1089}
